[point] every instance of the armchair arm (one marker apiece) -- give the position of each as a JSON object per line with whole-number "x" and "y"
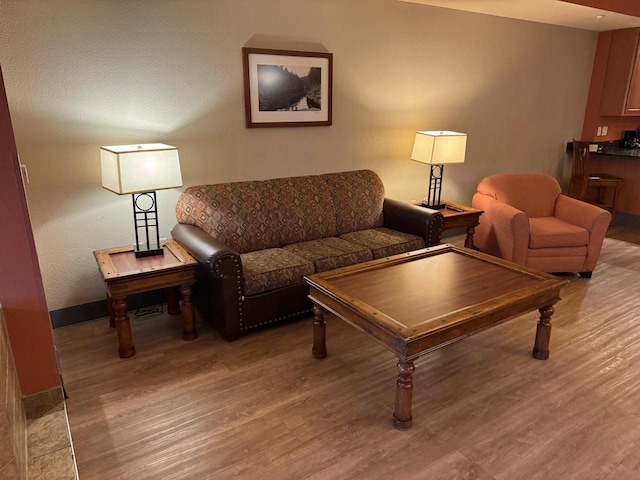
{"x": 408, "y": 218}
{"x": 581, "y": 213}
{"x": 222, "y": 300}
{"x": 590, "y": 217}
{"x": 503, "y": 230}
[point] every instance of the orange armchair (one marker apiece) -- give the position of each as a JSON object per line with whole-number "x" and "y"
{"x": 527, "y": 220}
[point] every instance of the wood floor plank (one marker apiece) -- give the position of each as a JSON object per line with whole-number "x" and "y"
{"x": 262, "y": 407}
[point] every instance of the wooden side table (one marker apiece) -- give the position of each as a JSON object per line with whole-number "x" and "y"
{"x": 124, "y": 274}
{"x": 457, "y": 216}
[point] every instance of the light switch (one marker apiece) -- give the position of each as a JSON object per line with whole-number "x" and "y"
{"x": 24, "y": 173}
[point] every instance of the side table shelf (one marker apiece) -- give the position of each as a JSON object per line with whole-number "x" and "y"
{"x": 124, "y": 275}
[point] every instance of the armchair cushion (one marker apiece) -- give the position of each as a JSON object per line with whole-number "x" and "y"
{"x": 558, "y": 252}
{"x": 547, "y": 232}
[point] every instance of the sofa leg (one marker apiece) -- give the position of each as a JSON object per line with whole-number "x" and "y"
{"x": 585, "y": 274}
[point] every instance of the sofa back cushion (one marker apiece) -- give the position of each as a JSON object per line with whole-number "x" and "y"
{"x": 255, "y": 215}
{"x": 358, "y": 197}
{"x": 238, "y": 214}
{"x": 304, "y": 209}
{"x": 533, "y": 193}
{"x": 250, "y": 216}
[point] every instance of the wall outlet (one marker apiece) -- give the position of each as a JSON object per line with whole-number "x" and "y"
{"x": 605, "y": 129}
{"x": 599, "y": 132}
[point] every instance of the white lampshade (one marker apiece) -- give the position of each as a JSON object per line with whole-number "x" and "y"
{"x": 439, "y": 147}
{"x": 140, "y": 168}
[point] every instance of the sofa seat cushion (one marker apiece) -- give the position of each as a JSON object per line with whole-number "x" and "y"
{"x": 384, "y": 242}
{"x": 331, "y": 252}
{"x": 273, "y": 268}
{"x": 548, "y": 232}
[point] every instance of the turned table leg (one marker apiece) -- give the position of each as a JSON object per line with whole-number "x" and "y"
{"x": 173, "y": 305}
{"x": 112, "y": 313}
{"x": 543, "y": 333}
{"x": 123, "y": 328}
{"x": 468, "y": 242}
{"x": 319, "y": 332}
{"x": 189, "y": 331}
{"x": 404, "y": 393}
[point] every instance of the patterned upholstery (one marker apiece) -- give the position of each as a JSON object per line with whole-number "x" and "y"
{"x": 287, "y": 228}
{"x": 331, "y": 252}
{"x": 358, "y": 198}
{"x": 255, "y": 215}
{"x": 304, "y": 208}
{"x": 242, "y": 215}
{"x": 272, "y": 268}
{"x": 384, "y": 242}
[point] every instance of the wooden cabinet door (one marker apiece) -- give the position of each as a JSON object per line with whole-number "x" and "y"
{"x": 632, "y": 106}
{"x": 621, "y": 90}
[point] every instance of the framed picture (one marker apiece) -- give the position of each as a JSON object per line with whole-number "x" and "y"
{"x": 284, "y": 88}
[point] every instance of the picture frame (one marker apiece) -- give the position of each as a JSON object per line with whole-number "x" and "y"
{"x": 286, "y": 88}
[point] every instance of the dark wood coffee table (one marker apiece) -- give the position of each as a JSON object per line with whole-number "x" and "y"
{"x": 417, "y": 302}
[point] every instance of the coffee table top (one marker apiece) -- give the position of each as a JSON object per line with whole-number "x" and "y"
{"x": 422, "y": 300}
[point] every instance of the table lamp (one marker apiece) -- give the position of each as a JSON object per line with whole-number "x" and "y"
{"x": 437, "y": 148}
{"x": 141, "y": 170}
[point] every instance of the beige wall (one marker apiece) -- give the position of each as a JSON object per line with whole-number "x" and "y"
{"x": 80, "y": 74}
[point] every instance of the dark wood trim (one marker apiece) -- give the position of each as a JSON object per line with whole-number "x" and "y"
{"x": 250, "y": 122}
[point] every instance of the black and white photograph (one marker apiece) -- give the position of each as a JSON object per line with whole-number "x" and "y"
{"x": 287, "y": 88}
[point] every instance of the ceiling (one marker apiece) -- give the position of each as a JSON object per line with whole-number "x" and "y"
{"x": 555, "y": 12}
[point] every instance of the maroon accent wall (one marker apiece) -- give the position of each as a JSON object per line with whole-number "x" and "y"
{"x": 21, "y": 290}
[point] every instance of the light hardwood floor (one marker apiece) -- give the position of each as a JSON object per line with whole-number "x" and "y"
{"x": 263, "y": 408}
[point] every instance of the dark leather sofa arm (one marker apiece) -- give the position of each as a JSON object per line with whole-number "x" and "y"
{"x": 206, "y": 249}
{"x": 219, "y": 278}
{"x": 414, "y": 219}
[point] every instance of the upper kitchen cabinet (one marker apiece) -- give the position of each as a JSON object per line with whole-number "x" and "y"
{"x": 621, "y": 90}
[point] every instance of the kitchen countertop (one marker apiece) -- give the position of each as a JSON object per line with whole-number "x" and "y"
{"x": 610, "y": 148}
{"x": 620, "y": 151}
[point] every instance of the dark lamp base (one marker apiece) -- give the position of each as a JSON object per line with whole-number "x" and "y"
{"x": 434, "y": 207}
{"x": 149, "y": 253}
